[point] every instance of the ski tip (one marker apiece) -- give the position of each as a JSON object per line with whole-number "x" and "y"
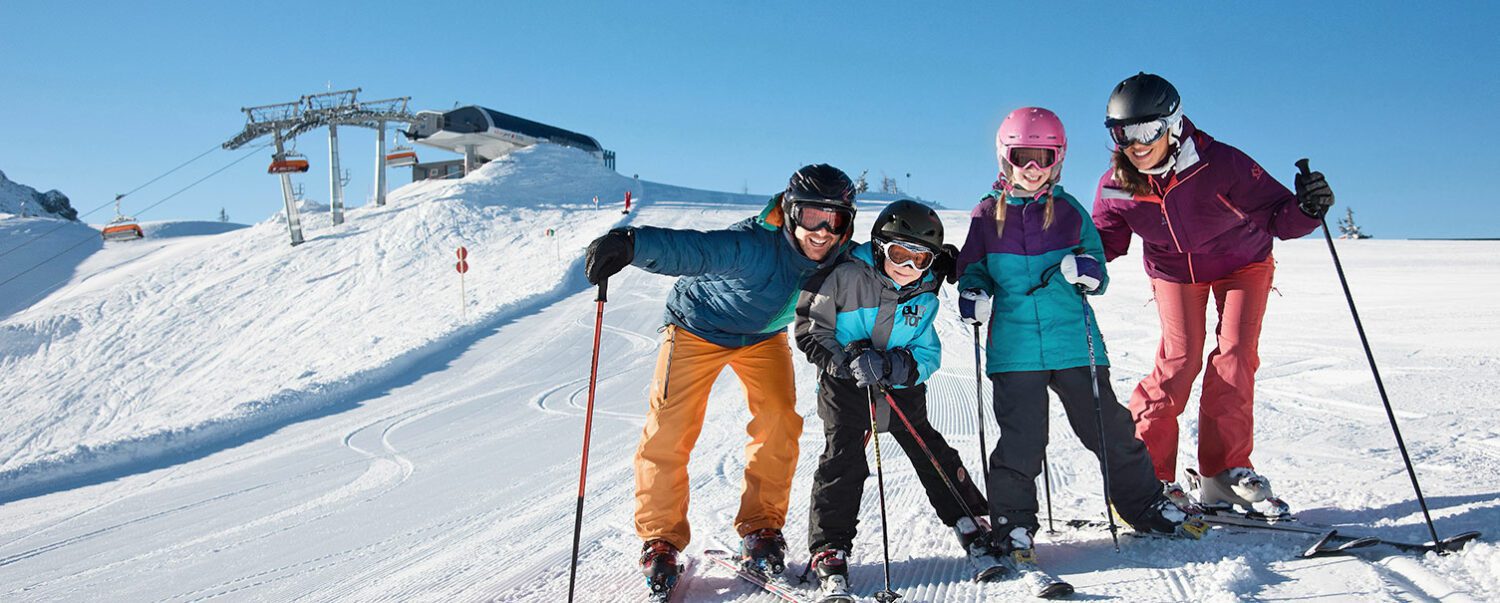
{"x": 1454, "y": 544}
{"x": 998, "y": 572}
{"x": 1055, "y": 590}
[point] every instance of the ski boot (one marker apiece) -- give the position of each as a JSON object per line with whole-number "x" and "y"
{"x": 974, "y": 536}
{"x": 1001, "y": 557}
{"x": 1162, "y": 517}
{"x": 968, "y": 529}
{"x": 832, "y": 567}
{"x": 659, "y": 564}
{"x": 1242, "y": 487}
{"x": 1179, "y": 496}
{"x": 764, "y": 552}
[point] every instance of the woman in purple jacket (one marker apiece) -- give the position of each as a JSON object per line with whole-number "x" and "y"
{"x": 1206, "y": 214}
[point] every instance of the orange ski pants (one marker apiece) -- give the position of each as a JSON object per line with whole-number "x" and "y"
{"x": 1226, "y": 418}
{"x": 686, "y": 368}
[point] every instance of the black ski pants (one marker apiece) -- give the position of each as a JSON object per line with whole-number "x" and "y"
{"x": 1021, "y": 409}
{"x": 838, "y": 482}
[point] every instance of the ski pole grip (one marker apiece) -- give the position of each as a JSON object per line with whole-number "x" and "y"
{"x": 1302, "y": 166}
{"x": 603, "y": 290}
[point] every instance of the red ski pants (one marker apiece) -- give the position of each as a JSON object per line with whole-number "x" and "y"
{"x": 1226, "y": 418}
{"x": 686, "y": 368}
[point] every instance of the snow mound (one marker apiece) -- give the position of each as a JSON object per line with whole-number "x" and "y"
{"x": 158, "y": 348}
{"x": 186, "y": 228}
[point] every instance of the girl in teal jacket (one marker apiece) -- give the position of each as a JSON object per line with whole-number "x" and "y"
{"x": 1030, "y": 251}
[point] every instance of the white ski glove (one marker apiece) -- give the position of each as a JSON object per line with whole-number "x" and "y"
{"x": 1083, "y": 271}
{"x": 974, "y": 306}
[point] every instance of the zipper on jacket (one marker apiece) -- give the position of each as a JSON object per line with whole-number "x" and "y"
{"x": 1162, "y": 194}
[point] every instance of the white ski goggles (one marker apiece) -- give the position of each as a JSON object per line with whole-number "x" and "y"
{"x": 910, "y": 255}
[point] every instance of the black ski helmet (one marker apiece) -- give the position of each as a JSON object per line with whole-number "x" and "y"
{"x": 1141, "y": 98}
{"x": 819, "y": 183}
{"x": 909, "y": 221}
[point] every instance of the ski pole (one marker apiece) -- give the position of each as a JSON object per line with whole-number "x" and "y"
{"x": 1088, "y": 331}
{"x": 957, "y": 497}
{"x": 984, "y": 461}
{"x": 1047, "y": 482}
{"x": 588, "y": 425}
{"x": 886, "y": 595}
{"x": 1302, "y": 166}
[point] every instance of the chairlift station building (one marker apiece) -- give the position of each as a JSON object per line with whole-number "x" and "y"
{"x": 482, "y": 135}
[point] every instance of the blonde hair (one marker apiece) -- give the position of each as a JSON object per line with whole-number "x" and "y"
{"x": 1000, "y": 211}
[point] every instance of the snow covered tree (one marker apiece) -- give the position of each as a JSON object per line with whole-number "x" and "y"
{"x": 889, "y": 185}
{"x": 861, "y": 185}
{"x": 1348, "y": 229}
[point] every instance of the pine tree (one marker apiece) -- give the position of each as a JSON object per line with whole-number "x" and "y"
{"x": 223, "y": 215}
{"x": 1348, "y": 229}
{"x": 861, "y": 185}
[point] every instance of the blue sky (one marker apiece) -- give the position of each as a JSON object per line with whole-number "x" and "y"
{"x": 1395, "y": 102}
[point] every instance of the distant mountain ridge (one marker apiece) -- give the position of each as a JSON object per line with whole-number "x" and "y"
{"x": 14, "y": 197}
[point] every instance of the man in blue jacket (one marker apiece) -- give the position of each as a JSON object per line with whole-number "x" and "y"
{"x": 737, "y": 294}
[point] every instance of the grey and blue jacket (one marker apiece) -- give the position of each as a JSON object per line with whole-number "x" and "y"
{"x": 739, "y": 285}
{"x": 856, "y": 301}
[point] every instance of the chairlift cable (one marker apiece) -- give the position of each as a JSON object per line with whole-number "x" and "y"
{"x": 107, "y": 203}
{"x": 148, "y": 208}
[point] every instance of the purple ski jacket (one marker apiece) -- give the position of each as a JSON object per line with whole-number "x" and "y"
{"x": 1214, "y": 213}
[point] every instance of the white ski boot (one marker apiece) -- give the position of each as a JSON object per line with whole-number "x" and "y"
{"x": 1242, "y": 487}
{"x": 1179, "y": 496}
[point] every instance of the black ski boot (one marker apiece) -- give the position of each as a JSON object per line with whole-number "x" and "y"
{"x": 832, "y": 566}
{"x": 1164, "y": 518}
{"x": 659, "y": 564}
{"x": 764, "y": 552}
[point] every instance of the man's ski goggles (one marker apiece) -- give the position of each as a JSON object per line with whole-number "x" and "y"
{"x": 1021, "y": 157}
{"x": 911, "y": 255}
{"x": 813, "y": 217}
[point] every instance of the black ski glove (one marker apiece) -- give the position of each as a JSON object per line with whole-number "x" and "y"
{"x": 609, "y": 254}
{"x": 901, "y": 367}
{"x": 1313, "y": 195}
{"x": 868, "y": 368}
{"x": 884, "y": 368}
{"x": 945, "y": 264}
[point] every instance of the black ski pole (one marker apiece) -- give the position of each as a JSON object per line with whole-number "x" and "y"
{"x": 952, "y": 489}
{"x": 1302, "y": 166}
{"x": 588, "y": 426}
{"x": 1047, "y": 483}
{"x": 1088, "y": 331}
{"x": 984, "y": 461}
{"x": 886, "y": 595}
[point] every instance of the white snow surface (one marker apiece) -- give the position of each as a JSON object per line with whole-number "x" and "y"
{"x": 223, "y": 416}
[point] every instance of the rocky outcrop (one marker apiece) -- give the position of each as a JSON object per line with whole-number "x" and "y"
{"x": 16, "y": 198}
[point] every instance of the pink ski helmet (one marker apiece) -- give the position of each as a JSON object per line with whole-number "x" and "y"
{"x": 1034, "y": 128}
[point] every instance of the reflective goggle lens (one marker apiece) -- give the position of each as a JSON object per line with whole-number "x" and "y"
{"x": 814, "y": 217}
{"x": 911, "y": 255}
{"x": 1022, "y": 156}
{"x": 1144, "y": 133}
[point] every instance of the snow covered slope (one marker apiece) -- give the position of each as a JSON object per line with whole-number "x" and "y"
{"x": 163, "y": 345}
{"x": 436, "y": 459}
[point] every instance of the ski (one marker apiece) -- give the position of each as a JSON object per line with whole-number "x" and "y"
{"x": 1044, "y": 584}
{"x": 730, "y": 561}
{"x": 1326, "y": 545}
{"x": 1329, "y": 534}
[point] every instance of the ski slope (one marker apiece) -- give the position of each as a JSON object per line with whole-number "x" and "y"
{"x": 225, "y": 417}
